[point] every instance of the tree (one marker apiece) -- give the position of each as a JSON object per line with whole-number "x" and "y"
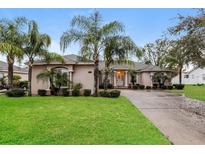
{"x": 118, "y": 48}
{"x": 155, "y": 53}
{"x": 91, "y": 33}
{"x": 35, "y": 46}
{"x": 56, "y": 79}
{"x": 179, "y": 55}
{"x": 11, "y": 40}
{"x": 192, "y": 31}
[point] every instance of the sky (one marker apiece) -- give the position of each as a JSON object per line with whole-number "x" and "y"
{"x": 142, "y": 25}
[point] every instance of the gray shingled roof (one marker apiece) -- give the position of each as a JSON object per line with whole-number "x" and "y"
{"x": 4, "y": 67}
{"x": 75, "y": 59}
{"x": 69, "y": 59}
{"x": 133, "y": 66}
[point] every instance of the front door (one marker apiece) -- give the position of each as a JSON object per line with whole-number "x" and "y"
{"x": 120, "y": 77}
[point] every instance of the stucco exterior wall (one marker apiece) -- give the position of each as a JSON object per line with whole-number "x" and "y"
{"x": 84, "y": 74}
{"x": 37, "y": 83}
{"x": 145, "y": 79}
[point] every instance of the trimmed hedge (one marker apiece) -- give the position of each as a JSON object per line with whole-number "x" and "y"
{"x": 141, "y": 86}
{"x": 65, "y": 92}
{"x": 76, "y": 92}
{"x": 170, "y": 87}
{"x": 41, "y": 92}
{"x": 110, "y": 94}
{"x": 109, "y": 86}
{"x": 114, "y": 93}
{"x": 179, "y": 86}
{"x": 15, "y": 93}
{"x": 87, "y": 92}
{"x": 148, "y": 87}
{"x": 135, "y": 86}
{"x": 163, "y": 87}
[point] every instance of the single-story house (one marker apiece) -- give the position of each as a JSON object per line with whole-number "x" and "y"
{"x": 196, "y": 75}
{"x": 80, "y": 70}
{"x": 22, "y": 72}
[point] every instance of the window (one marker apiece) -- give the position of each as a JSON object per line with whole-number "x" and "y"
{"x": 203, "y": 77}
{"x": 64, "y": 72}
{"x": 186, "y": 76}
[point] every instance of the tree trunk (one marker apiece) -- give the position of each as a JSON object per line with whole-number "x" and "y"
{"x": 10, "y": 72}
{"x": 180, "y": 75}
{"x": 106, "y": 75}
{"x": 96, "y": 75}
{"x": 30, "y": 76}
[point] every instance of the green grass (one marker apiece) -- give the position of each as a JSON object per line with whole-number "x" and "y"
{"x": 195, "y": 92}
{"x": 74, "y": 120}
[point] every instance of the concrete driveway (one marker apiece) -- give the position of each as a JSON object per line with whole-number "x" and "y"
{"x": 171, "y": 114}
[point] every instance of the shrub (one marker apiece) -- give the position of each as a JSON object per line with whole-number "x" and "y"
{"x": 77, "y": 86}
{"x": 141, "y": 86}
{"x": 41, "y": 92}
{"x": 15, "y": 93}
{"x": 200, "y": 84}
{"x": 154, "y": 87}
{"x": 87, "y": 92}
{"x": 114, "y": 93}
{"x": 148, "y": 87}
{"x": 109, "y": 86}
{"x": 104, "y": 93}
{"x": 163, "y": 87}
{"x": 179, "y": 86}
{"x": 76, "y": 92}
{"x": 23, "y": 84}
{"x": 65, "y": 92}
{"x": 135, "y": 86}
{"x": 170, "y": 87}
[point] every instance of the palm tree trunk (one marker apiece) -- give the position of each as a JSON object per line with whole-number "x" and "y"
{"x": 10, "y": 62}
{"x": 30, "y": 77}
{"x": 96, "y": 75}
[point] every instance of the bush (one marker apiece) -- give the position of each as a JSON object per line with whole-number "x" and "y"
{"x": 104, "y": 93}
{"x": 135, "y": 86}
{"x": 154, "y": 87}
{"x": 114, "y": 93}
{"x": 41, "y": 92}
{"x": 141, "y": 86}
{"x": 200, "y": 84}
{"x": 109, "y": 86}
{"x": 77, "y": 86}
{"x": 65, "y": 92}
{"x": 76, "y": 92}
{"x": 163, "y": 87}
{"x": 23, "y": 84}
{"x": 15, "y": 93}
{"x": 148, "y": 87}
{"x": 87, "y": 92}
{"x": 179, "y": 86}
{"x": 170, "y": 87}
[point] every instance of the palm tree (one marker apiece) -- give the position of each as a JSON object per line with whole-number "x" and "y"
{"x": 11, "y": 40}
{"x": 35, "y": 45}
{"x": 91, "y": 33}
{"x": 56, "y": 79}
{"x": 118, "y": 48}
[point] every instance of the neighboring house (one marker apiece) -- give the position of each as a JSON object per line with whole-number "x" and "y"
{"x": 196, "y": 75}
{"x": 23, "y": 72}
{"x": 81, "y": 70}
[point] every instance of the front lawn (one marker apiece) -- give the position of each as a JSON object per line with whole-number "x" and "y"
{"x": 192, "y": 91}
{"x": 74, "y": 120}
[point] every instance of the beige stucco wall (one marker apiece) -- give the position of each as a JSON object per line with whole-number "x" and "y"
{"x": 36, "y": 83}
{"x": 81, "y": 75}
{"x": 145, "y": 79}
